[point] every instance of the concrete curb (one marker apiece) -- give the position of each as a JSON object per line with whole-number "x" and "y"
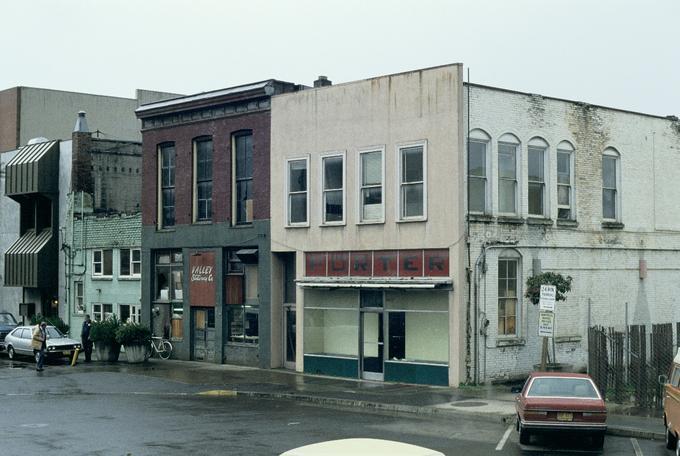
{"x": 379, "y": 406}
{"x": 624, "y": 431}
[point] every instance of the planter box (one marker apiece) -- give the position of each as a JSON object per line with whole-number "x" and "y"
{"x": 107, "y": 352}
{"x": 136, "y": 353}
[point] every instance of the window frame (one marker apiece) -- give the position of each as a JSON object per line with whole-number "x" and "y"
{"x": 131, "y": 263}
{"x": 195, "y": 205}
{"x": 102, "y": 264}
{"x": 399, "y": 181}
{"x": 539, "y": 145}
{"x": 79, "y": 297}
{"x": 516, "y": 258}
{"x": 159, "y": 197}
{"x": 612, "y": 153}
{"x": 479, "y": 136}
{"x": 323, "y": 190}
{"x": 287, "y": 192}
{"x": 361, "y": 187}
{"x": 510, "y": 140}
{"x": 565, "y": 148}
{"x": 235, "y": 180}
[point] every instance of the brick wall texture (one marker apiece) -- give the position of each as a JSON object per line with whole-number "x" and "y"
{"x": 604, "y": 262}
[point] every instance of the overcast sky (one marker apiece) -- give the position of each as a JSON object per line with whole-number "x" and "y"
{"x": 618, "y": 53}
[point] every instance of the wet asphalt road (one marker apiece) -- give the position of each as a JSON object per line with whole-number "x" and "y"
{"x": 88, "y": 410}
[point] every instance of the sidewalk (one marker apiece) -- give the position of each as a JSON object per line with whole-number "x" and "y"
{"x": 493, "y": 403}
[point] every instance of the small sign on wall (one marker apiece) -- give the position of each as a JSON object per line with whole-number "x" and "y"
{"x": 546, "y": 324}
{"x": 202, "y": 279}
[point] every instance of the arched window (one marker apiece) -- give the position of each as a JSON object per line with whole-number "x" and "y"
{"x": 508, "y": 157}
{"x": 565, "y": 181}
{"x": 611, "y": 182}
{"x": 509, "y": 286}
{"x": 537, "y": 158}
{"x": 478, "y": 171}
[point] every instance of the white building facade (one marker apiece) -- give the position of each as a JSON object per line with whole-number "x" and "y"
{"x": 367, "y": 228}
{"x": 584, "y": 191}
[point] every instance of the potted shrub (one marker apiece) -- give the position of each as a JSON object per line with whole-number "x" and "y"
{"x": 136, "y": 339}
{"x": 103, "y": 334}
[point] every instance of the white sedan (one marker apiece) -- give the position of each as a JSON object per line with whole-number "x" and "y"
{"x": 18, "y": 342}
{"x": 361, "y": 447}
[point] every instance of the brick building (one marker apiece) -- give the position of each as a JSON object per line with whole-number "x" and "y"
{"x": 205, "y": 223}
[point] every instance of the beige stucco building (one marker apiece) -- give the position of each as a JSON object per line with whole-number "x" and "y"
{"x": 368, "y": 230}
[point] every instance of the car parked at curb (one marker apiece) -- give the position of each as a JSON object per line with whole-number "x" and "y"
{"x": 361, "y": 447}
{"x": 18, "y": 342}
{"x": 564, "y": 403}
{"x": 671, "y": 405}
{"x": 7, "y": 324}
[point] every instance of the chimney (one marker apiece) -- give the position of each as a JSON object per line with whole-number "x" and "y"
{"x": 81, "y": 123}
{"x": 323, "y": 81}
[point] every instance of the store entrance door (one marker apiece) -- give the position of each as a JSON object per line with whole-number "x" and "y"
{"x": 203, "y": 334}
{"x": 289, "y": 335}
{"x": 371, "y": 332}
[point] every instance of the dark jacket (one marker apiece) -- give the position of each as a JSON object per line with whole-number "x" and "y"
{"x": 85, "y": 332}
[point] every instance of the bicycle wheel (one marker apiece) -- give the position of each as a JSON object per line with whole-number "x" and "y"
{"x": 166, "y": 351}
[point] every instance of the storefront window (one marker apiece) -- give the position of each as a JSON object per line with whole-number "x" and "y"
{"x": 242, "y": 300}
{"x": 168, "y": 311}
{"x": 331, "y": 323}
{"x": 418, "y": 326}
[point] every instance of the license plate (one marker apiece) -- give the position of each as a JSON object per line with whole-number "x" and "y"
{"x": 565, "y": 417}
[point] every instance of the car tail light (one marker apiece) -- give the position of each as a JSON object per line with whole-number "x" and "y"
{"x": 535, "y": 414}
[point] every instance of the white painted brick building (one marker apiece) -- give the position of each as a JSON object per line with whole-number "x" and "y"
{"x": 625, "y": 267}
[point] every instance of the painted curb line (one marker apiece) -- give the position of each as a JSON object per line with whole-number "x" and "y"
{"x": 624, "y": 431}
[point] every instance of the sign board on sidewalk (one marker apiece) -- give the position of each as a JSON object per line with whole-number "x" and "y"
{"x": 546, "y": 324}
{"x": 547, "y": 301}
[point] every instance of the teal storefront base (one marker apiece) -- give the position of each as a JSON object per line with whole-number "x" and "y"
{"x": 333, "y": 366}
{"x": 424, "y": 374}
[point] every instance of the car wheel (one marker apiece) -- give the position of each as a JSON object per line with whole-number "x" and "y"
{"x": 598, "y": 441}
{"x": 524, "y": 436}
{"x": 671, "y": 440}
{"x": 677, "y": 448}
{"x": 10, "y": 352}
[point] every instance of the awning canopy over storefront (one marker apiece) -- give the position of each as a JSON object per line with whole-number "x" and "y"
{"x": 377, "y": 283}
{"x": 27, "y": 258}
{"x": 247, "y": 256}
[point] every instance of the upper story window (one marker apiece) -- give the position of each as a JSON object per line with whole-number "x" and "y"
{"x": 508, "y": 151}
{"x": 371, "y": 178}
{"x": 537, "y": 158}
{"x": 333, "y": 182}
{"x": 102, "y": 263}
{"x": 166, "y": 180}
{"x": 565, "y": 181}
{"x": 243, "y": 177}
{"x": 611, "y": 170}
{"x": 297, "y": 200}
{"x": 203, "y": 179}
{"x": 478, "y": 166}
{"x": 412, "y": 182}
{"x": 130, "y": 262}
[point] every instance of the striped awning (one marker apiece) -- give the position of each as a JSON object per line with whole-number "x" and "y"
{"x": 34, "y": 169}
{"x": 25, "y": 259}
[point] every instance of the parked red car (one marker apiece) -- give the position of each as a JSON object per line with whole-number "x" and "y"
{"x": 555, "y": 402}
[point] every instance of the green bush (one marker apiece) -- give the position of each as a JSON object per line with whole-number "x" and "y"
{"x": 133, "y": 334}
{"x": 104, "y": 331}
{"x": 55, "y": 321}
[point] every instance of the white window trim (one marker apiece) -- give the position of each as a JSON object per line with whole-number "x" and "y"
{"x": 398, "y": 148}
{"x": 286, "y": 195}
{"x": 572, "y": 197}
{"x": 135, "y": 312}
{"x": 344, "y": 187}
{"x": 612, "y": 152}
{"x": 132, "y": 269}
{"x": 359, "y": 173}
{"x": 488, "y": 178}
{"x": 81, "y": 297}
{"x": 101, "y": 274}
{"x": 518, "y": 178}
{"x": 546, "y": 180}
{"x": 520, "y": 293}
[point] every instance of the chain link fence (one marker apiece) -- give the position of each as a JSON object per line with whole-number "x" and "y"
{"x": 626, "y": 365}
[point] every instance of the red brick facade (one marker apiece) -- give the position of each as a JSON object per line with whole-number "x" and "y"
{"x": 221, "y": 130}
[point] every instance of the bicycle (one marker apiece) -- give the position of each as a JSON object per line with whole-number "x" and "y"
{"x": 161, "y": 346}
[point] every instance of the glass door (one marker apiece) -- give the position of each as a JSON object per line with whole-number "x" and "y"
{"x": 289, "y": 335}
{"x": 372, "y": 345}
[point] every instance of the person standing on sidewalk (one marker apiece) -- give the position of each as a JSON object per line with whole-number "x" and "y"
{"x": 39, "y": 343}
{"x": 85, "y": 338}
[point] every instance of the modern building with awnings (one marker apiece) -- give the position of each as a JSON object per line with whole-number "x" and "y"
{"x": 367, "y": 233}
